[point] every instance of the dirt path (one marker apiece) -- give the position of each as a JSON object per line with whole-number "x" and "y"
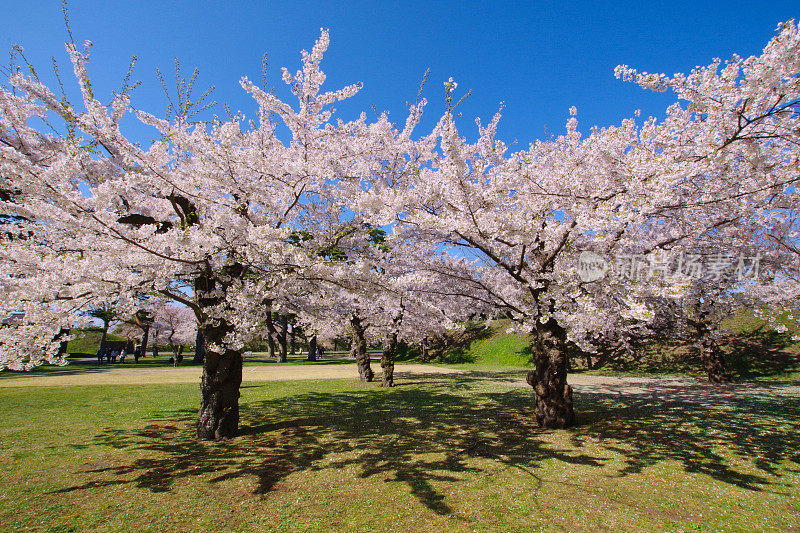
{"x": 671, "y": 388}
{"x": 131, "y": 375}
{"x": 657, "y": 389}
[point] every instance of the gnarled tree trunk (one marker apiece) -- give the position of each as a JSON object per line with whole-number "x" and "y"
{"x": 390, "y": 349}
{"x": 312, "y": 348}
{"x": 142, "y": 349}
{"x": 387, "y": 359}
{"x": 359, "y": 350}
{"x": 424, "y": 356}
{"x": 714, "y": 362}
{"x": 199, "y": 348}
{"x": 222, "y": 377}
{"x": 713, "y": 358}
{"x": 222, "y": 369}
{"x": 549, "y": 378}
{"x": 62, "y": 346}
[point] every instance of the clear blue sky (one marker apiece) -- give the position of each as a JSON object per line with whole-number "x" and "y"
{"x": 538, "y": 57}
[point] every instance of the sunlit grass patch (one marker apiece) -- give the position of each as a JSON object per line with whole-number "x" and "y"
{"x": 442, "y": 454}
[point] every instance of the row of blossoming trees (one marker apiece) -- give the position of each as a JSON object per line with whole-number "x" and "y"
{"x": 235, "y": 220}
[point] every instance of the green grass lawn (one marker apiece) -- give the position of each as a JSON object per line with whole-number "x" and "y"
{"x": 439, "y": 454}
{"x": 87, "y": 340}
{"x": 502, "y": 348}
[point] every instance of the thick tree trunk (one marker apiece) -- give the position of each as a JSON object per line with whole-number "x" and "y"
{"x": 387, "y": 359}
{"x": 222, "y": 368}
{"x": 713, "y": 358}
{"x": 389, "y": 353}
{"x": 271, "y": 347}
{"x": 282, "y": 341}
{"x": 222, "y": 377}
{"x": 199, "y": 347}
{"x": 714, "y": 362}
{"x": 549, "y": 378}
{"x": 359, "y": 350}
{"x": 424, "y": 356}
{"x": 312, "y": 348}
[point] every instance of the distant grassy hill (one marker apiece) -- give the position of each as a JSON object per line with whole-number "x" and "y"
{"x": 88, "y": 341}
{"x": 478, "y": 344}
{"x": 745, "y": 322}
{"x": 501, "y": 348}
{"x": 755, "y": 349}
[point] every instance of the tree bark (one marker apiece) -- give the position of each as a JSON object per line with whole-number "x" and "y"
{"x": 387, "y": 359}
{"x": 423, "y": 350}
{"x": 199, "y": 347}
{"x": 312, "y": 348}
{"x": 714, "y": 362}
{"x": 282, "y": 339}
{"x": 222, "y": 377}
{"x": 359, "y": 350}
{"x": 293, "y": 341}
{"x": 389, "y": 353}
{"x": 222, "y": 368}
{"x": 712, "y": 357}
{"x": 553, "y": 408}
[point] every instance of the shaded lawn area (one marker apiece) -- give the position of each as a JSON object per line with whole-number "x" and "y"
{"x": 445, "y": 453}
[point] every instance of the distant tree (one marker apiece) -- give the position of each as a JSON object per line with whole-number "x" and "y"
{"x": 106, "y": 315}
{"x": 177, "y": 326}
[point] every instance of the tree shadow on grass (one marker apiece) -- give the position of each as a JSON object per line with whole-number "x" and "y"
{"x": 715, "y": 440}
{"x": 757, "y": 356}
{"x": 432, "y": 433}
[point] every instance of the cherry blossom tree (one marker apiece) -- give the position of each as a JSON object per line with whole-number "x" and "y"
{"x": 731, "y": 144}
{"x": 202, "y": 216}
{"x": 649, "y": 187}
{"x": 177, "y": 325}
{"x": 522, "y": 216}
{"x": 106, "y": 315}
